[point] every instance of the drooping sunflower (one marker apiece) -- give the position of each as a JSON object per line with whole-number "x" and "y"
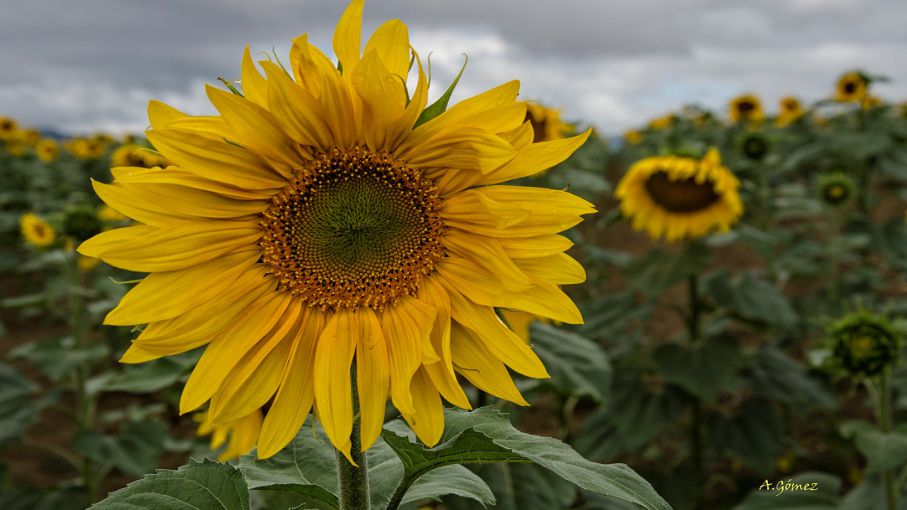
{"x": 745, "y": 108}
{"x": 852, "y": 87}
{"x": 323, "y": 218}
{"x": 677, "y": 198}
{"x": 790, "y": 110}
{"x": 47, "y": 150}
{"x": 36, "y": 230}
{"x": 546, "y": 122}
{"x": 864, "y": 343}
{"x": 237, "y": 437}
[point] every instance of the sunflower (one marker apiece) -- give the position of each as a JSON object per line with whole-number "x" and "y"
{"x": 323, "y": 218}
{"x": 546, "y": 122}
{"x": 47, "y": 150}
{"x": 852, "y": 87}
{"x": 662, "y": 123}
{"x": 238, "y": 435}
{"x": 790, "y": 111}
{"x": 633, "y": 136}
{"x": 127, "y": 155}
{"x": 36, "y": 230}
{"x": 864, "y": 344}
{"x": 677, "y": 197}
{"x": 8, "y": 127}
{"x": 745, "y": 108}
{"x": 836, "y": 189}
{"x": 869, "y": 102}
{"x": 85, "y": 148}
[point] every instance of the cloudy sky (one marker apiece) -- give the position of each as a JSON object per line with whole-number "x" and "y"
{"x": 81, "y": 66}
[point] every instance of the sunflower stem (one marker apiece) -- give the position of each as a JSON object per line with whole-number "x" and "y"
{"x": 83, "y": 405}
{"x": 696, "y": 425}
{"x": 354, "y": 490}
{"x": 891, "y": 490}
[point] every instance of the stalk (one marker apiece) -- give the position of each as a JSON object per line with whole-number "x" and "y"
{"x": 354, "y": 490}
{"x": 891, "y": 490}
{"x": 696, "y": 426}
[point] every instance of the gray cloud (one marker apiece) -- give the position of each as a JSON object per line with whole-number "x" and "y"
{"x": 94, "y": 64}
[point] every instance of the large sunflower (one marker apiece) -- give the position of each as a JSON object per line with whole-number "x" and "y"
{"x": 745, "y": 108}
{"x": 677, "y": 198}
{"x": 326, "y": 218}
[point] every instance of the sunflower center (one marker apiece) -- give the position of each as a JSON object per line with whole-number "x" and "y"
{"x": 850, "y": 87}
{"x": 353, "y": 229}
{"x": 745, "y": 106}
{"x": 539, "y": 127}
{"x": 684, "y": 195}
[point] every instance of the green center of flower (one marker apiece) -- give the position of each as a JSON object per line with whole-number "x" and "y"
{"x": 680, "y": 196}
{"x": 354, "y": 229}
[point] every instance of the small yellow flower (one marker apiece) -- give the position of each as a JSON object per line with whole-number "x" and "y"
{"x": 790, "y": 111}
{"x": 85, "y": 148}
{"x": 16, "y": 147}
{"x": 852, "y": 87}
{"x": 680, "y": 198}
{"x": 8, "y": 127}
{"x": 239, "y": 435}
{"x": 29, "y": 137}
{"x": 36, "y": 231}
{"x": 745, "y": 108}
{"x": 546, "y": 122}
{"x": 127, "y": 155}
{"x": 663, "y": 122}
{"x": 633, "y": 136}
{"x": 47, "y": 150}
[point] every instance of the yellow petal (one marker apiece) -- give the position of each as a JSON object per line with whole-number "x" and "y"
{"x": 333, "y": 389}
{"x": 391, "y": 42}
{"x": 257, "y": 375}
{"x": 257, "y": 128}
{"x": 441, "y": 372}
{"x": 537, "y": 158}
{"x": 464, "y": 148}
{"x": 428, "y": 422}
{"x": 228, "y": 348}
{"x": 296, "y": 394}
{"x": 296, "y": 109}
{"x": 174, "y": 175}
{"x": 383, "y": 97}
{"x": 546, "y": 300}
{"x": 164, "y": 295}
{"x": 372, "y": 376}
{"x": 254, "y": 86}
{"x": 348, "y": 36}
{"x": 146, "y": 248}
{"x": 216, "y": 160}
{"x": 407, "y": 325}
{"x": 500, "y": 341}
{"x": 489, "y": 252}
{"x": 481, "y": 367}
{"x": 559, "y": 269}
{"x": 538, "y": 246}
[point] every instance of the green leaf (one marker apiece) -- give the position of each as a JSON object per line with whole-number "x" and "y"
{"x": 883, "y": 451}
{"x": 520, "y": 487}
{"x": 703, "y": 371}
{"x": 775, "y": 375}
{"x": 18, "y": 410}
{"x": 577, "y": 366}
{"x": 440, "y": 106}
{"x": 454, "y": 480}
{"x": 207, "y": 485}
{"x": 307, "y": 467}
{"x": 147, "y": 377}
{"x": 660, "y": 270}
{"x": 57, "y": 357}
{"x": 825, "y": 497}
{"x": 754, "y": 434}
{"x": 752, "y": 299}
{"x": 135, "y": 450}
{"x": 486, "y": 436}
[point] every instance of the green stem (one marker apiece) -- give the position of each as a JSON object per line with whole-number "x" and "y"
{"x": 696, "y": 425}
{"x": 84, "y": 408}
{"x": 354, "y": 490}
{"x": 891, "y": 490}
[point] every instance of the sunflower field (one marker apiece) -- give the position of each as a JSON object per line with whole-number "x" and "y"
{"x": 342, "y": 292}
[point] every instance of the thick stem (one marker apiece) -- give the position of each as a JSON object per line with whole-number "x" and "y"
{"x": 891, "y": 489}
{"x": 354, "y": 491}
{"x": 696, "y": 424}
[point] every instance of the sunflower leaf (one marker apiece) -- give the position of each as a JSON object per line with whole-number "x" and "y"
{"x": 577, "y": 365}
{"x": 440, "y": 106}
{"x": 486, "y": 436}
{"x": 206, "y": 484}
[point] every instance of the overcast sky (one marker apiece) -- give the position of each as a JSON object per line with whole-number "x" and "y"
{"x": 85, "y": 65}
